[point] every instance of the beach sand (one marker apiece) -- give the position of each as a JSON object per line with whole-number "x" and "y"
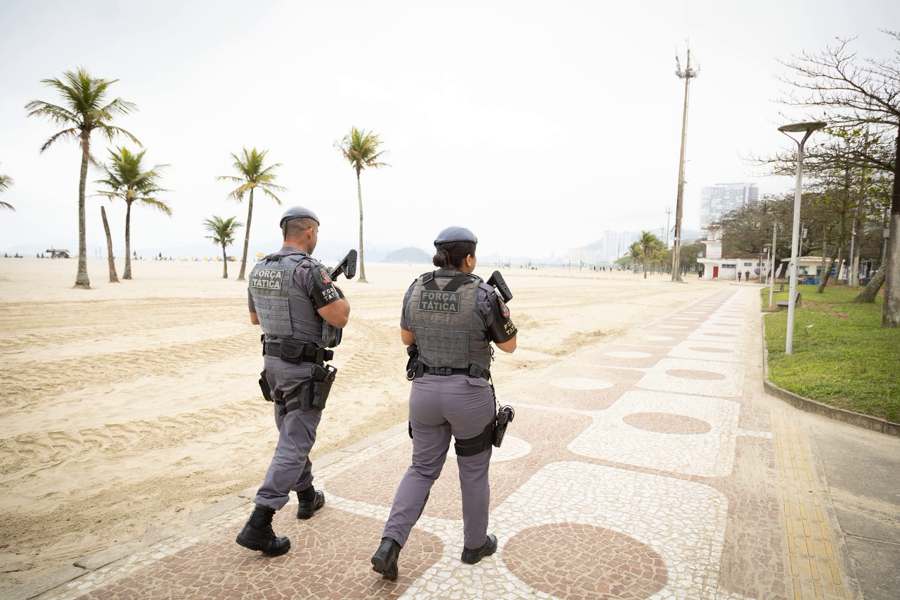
{"x": 126, "y": 408}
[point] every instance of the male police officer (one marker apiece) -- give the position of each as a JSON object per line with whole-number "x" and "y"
{"x": 452, "y": 316}
{"x": 301, "y": 312}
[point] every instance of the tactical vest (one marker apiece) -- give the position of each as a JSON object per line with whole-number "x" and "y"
{"x": 284, "y": 310}
{"x": 443, "y": 315}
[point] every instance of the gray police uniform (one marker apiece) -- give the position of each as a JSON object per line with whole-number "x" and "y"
{"x": 285, "y": 290}
{"x": 454, "y": 317}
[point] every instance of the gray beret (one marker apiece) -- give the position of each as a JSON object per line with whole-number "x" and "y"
{"x": 297, "y": 212}
{"x": 455, "y": 234}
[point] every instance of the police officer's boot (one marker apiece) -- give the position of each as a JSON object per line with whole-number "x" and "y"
{"x": 257, "y": 534}
{"x": 472, "y": 556}
{"x": 311, "y": 500}
{"x": 384, "y": 560}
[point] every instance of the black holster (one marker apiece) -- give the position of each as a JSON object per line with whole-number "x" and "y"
{"x": 505, "y": 416}
{"x": 311, "y": 394}
{"x": 264, "y": 387}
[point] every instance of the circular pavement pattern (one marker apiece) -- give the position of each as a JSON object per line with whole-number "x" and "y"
{"x": 512, "y": 448}
{"x": 582, "y": 383}
{"x": 571, "y": 560}
{"x": 666, "y": 423}
{"x": 694, "y": 374}
{"x": 627, "y": 354}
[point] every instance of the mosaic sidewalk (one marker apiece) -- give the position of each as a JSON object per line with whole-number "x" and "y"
{"x": 648, "y": 467}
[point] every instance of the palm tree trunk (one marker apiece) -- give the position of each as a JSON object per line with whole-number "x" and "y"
{"x": 871, "y": 290}
{"x": 113, "y": 278}
{"x": 81, "y": 279}
{"x": 362, "y": 261}
{"x": 127, "y": 273}
{"x": 224, "y": 263}
{"x": 246, "y": 238}
{"x": 890, "y": 316}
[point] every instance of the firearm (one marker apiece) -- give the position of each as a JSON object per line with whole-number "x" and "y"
{"x": 347, "y": 266}
{"x": 498, "y": 283}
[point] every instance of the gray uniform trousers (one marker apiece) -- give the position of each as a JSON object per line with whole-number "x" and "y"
{"x": 290, "y": 468}
{"x": 438, "y": 407}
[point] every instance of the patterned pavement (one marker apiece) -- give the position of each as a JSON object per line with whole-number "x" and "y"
{"x": 649, "y": 467}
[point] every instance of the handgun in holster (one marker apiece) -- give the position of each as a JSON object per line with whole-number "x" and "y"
{"x": 505, "y": 416}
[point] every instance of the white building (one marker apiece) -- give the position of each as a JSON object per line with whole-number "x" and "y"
{"x": 718, "y": 200}
{"x": 715, "y": 267}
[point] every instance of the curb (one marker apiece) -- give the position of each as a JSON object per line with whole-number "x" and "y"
{"x": 814, "y": 406}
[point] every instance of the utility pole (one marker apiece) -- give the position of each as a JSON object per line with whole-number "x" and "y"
{"x": 687, "y": 74}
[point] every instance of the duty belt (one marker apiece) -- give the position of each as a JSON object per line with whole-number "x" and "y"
{"x": 472, "y": 371}
{"x": 297, "y": 352}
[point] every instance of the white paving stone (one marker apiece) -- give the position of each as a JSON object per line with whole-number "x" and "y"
{"x": 709, "y": 454}
{"x": 581, "y": 383}
{"x": 659, "y": 378}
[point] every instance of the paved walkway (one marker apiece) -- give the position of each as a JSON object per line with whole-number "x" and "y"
{"x": 650, "y": 466}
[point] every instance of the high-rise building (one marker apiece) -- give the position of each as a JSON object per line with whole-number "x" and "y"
{"x": 719, "y": 199}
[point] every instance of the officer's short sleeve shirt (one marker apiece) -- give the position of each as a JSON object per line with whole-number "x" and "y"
{"x": 317, "y": 283}
{"x": 404, "y": 317}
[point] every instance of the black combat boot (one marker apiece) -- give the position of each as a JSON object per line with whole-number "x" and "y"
{"x": 384, "y": 560}
{"x": 311, "y": 500}
{"x": 257, "y": 534}
{"x": 472, "y": 556}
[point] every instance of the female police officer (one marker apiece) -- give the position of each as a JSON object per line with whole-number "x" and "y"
{"x": 452, "y": 316}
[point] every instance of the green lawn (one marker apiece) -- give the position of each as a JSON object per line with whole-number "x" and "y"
{"x": 842, "y": 356}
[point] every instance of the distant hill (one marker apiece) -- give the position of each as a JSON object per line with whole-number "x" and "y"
{"x": 408, "y": 255}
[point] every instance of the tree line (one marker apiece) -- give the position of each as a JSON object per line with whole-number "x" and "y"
{"x": 84, "y": 109}
{"x": 854, "y": 193}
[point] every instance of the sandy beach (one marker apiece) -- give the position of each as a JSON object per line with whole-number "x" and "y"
{"x": 127, "y": 407}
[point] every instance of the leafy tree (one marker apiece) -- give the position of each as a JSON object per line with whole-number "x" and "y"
{"x": 127, "y": 180}
{"x": 5, "y": 183}
{"x": 223, "y": 232}
{"x": 84, "y": 109}
{"x": 361, "y": 148}
{"x": 254, "y": 174}
{"x": 856, "y": 92}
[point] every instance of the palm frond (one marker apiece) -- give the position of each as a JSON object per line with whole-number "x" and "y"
{"x": 7, "y": 205}
{"x": 157, "y": 204}
{"x": 71, "y": 132}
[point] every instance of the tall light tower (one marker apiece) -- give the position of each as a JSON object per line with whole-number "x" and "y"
{"x": 687, "y": 74}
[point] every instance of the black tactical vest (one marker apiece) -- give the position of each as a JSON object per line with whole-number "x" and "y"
{"x": 284, "y": 310}
{"x": 449, "y": 330}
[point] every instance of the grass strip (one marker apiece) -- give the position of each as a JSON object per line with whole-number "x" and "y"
{"x": 842, "y": 356}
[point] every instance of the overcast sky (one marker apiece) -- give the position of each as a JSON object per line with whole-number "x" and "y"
{"x": 536, "y": 124}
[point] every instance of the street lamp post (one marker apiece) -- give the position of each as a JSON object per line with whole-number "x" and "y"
{"x": 807, "y": 130}
{"x": 772, "y": 265}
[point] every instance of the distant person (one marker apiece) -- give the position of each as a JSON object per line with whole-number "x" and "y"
{"x": 449, "y": 319}
{"x": 747, "y": 276}
{"x": 301, "y": 312}
{"x": 739, "y": 276}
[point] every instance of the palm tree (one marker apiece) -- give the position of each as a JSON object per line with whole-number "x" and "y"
{"x": 361, "y": 149}
{"x": 253, "y": 175}
{"x": 5, "y": 182}
{"x": 223, "y": 232}
{"x": 648, "y": 248}
{"x": 126, "y": 180}
{"x": 84, "y": 110}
